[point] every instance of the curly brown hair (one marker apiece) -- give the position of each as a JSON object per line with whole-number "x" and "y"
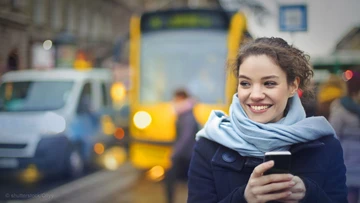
{"x": 294, "y": 62}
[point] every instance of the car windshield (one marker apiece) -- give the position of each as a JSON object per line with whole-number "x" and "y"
{"x": 34, "y": 95}
{"x": 190, "y": 59}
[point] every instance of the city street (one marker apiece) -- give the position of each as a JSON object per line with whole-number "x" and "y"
{"x": 125, "y": 185}
{"x": 101, "y": 99}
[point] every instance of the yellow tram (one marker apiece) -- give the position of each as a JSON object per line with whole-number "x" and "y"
{"x": 170, "y": 49}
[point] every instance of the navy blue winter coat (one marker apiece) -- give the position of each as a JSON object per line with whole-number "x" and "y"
{"x": 219, "y": 174}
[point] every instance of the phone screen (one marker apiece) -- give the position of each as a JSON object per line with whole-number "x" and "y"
{"x": 282, "y": 162}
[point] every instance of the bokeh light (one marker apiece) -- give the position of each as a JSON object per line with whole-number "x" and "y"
{"x": 118, "y": 91}
{"x": 47, "y": 44}
{"x": 99, "y": 148}
{"x": 114, "y": 158}
{"x": 119, "y": 133}
{"x": 142, "y": 119}
{"x": 156, "y": 173}
{"x": 348, "y": 74}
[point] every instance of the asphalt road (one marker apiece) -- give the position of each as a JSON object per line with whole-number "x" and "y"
{"x": 12, "y": 189}
{"x": 125, "y": 185}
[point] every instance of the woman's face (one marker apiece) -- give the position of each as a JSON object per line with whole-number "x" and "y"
{"x": 263, "y": 89}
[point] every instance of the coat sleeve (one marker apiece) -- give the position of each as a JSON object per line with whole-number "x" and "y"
{"x": 334, "y": 190}
{"x": 201, "y": 184}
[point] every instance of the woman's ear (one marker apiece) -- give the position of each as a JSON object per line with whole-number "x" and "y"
{"x": 294, "y": 86}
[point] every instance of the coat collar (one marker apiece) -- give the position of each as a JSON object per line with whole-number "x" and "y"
{"x": 228, "y": 158}
{"x": 300, "y": 146}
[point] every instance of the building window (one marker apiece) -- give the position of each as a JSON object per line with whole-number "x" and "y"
{"x": 96, "y": 26}
{"x": 108, "y": 27}
{"x": 39, "y": 12}
{"x": 84, "y": 22}
{"x": 56, "y": 14}
{"x": 18, "y": 5}
{"x": 70, "y": 24}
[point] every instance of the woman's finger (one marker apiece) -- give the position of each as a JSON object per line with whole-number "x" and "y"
{"x": 295, "y": 197}
{"x": 297, "y": 189}
{"x": 260, "y": 169}
{"x": 273, "y": 187}
{"x": 299, "y": 186}
{"x": 275, "y": 178}
{"x": 273, "y": 196}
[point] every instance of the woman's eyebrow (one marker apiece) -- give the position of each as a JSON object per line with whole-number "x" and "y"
{"x": 243, "y": 76}
{"x": 270, "y": 77}
{"x": 263, "y": 78}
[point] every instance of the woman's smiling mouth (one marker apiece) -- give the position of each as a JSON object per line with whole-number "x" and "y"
{"x": 259, "y": 108}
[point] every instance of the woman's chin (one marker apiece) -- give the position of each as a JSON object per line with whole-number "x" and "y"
{"x": 260, "y": 120}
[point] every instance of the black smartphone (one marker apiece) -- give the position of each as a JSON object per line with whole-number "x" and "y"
{"x": 282, "y": 161}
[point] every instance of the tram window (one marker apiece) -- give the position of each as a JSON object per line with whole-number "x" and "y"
{"x": 164, "y": 68}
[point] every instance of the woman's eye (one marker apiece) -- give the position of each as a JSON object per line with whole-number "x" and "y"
{"x": 270, "y": 84}
{"x": 244, "y": 84}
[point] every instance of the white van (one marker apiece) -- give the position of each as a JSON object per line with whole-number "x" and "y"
{"x": 50, "y": 119}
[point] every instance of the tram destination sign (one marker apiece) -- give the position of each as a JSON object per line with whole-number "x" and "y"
{"x": 184, "y": 19}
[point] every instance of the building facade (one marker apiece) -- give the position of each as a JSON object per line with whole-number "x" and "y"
{"x": 14, "y": 23}
{"x": 44, "y": 34}
{"x": 34, "y": 32}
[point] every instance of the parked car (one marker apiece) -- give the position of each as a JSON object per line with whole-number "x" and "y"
{"x": 50, "y": 120}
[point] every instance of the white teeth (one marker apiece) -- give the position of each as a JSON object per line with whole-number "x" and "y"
{"x": 258, "y": 108}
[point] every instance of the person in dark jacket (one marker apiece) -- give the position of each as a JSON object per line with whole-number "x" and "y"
{"x": 186, "y": 129}
{"x": 265, "y": 115}
{"x": 345, "y": 119}
{"x": 331, "y": 89}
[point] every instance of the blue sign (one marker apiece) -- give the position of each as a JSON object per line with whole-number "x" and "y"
{"x": 293, "y": 18}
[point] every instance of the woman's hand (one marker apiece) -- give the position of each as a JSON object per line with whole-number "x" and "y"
{"x": 270, "y": 187}
{"x": 297, "y": 191}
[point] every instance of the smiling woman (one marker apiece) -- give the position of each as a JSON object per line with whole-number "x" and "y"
{"x": 266, "y": 115}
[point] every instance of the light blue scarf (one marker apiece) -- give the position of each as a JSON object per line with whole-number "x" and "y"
{"x": 251, "y": 138}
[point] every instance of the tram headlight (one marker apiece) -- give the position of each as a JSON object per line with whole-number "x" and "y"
{"x": 142, "y": 119}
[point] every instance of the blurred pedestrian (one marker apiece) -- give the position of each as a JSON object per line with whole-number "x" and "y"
{"x": 345, "y": 118}
{"x": 13, "y": 60}
{"x": 328, "y": 91}
{"x": 265, "y": 115}
{"x": 186, "y": 128}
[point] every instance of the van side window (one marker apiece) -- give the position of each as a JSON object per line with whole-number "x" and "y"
{"x": 84, "y": 105}
{"x": 3, "y": 95}
{"x": 105, "y": 95}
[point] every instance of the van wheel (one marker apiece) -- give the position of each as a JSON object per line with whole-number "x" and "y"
{"x": 74, "y": 164}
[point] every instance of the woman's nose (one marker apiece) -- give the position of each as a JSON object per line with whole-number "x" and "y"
{"x": 257, "y": 94}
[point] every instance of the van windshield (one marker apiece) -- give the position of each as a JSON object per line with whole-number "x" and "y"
{"x": 34, "y": 95}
